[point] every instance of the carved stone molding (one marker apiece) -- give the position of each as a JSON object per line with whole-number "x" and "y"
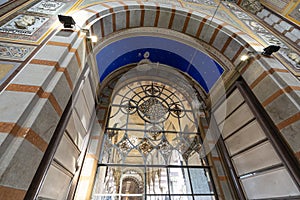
{"x": 252, "y": 6}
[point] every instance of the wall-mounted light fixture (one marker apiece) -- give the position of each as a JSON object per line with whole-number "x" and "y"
{"x": 70, "y": 23}
{"x": 266, "y": 52}
{"x": 270, "y": 49}
{"x": 67, "y": 21}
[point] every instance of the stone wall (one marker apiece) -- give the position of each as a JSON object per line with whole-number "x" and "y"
{"x": 32, "y": 103}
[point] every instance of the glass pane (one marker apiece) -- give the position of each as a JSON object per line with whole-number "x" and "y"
{"x": 112, "y": 155}
{"x": 131, "y": 182}
{"x": 176, "y": 158}
{"x": 134, "y": 157}
{"x": 157, "y": 181}
{"x": 132, "y": 197}
{"x": 181, "y": 198}
{"x": 118, "y": 197}
{"x": 155, "y": 157}
{"x": 204, "y": 198}
{"x": 115, "y": 135}
{"x": 117, "y": 118}
{"x": 104, "y": 197}
{"x": 194, "y": 159}
{"x": 151, "y": 138}
{"x": 105, "y": 181}
{"x": 200, "y": 181}
{"x": 157, "y": 197}
{"x": 115, "y": 181}
{"x": 179, "y": 182}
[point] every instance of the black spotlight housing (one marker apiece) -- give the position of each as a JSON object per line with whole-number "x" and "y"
{"x": 67, "y": 21}
{"x": 270, "y": 49}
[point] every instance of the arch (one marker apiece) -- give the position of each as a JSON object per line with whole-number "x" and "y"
{"x": 220, "y": 37}
{"x": 193, "y": 23}
{"x": 269, "y": 80}
{"x": 214, "y": 33}
{"x": 155, "y": 146}
{"x": 138, "y": 185}
{"x": 217, "y": 36}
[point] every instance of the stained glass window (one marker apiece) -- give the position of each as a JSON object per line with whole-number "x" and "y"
{"x": 151, "y": 147}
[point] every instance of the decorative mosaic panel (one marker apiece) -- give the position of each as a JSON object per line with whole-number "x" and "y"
{"x": 47, "y": 7}
{"x": 205, "y": 2}
{"x": 6, "y": 69}
{"x": 271, "y": 39}
{"x": 252, "y": 6}
{"x": 255, "y": 26}
{"x": 278, "y": 5}
{"x": 295, "y": 14}
{"x": 14, "y": 51}
{"x": 31, "y": 34}
{"x": 241, "y": 15}
{"x": 292, "y": 58}
{"x": 23, "y": 24}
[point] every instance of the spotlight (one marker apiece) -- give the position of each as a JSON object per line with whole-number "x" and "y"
{"x": 93, "y": 38}
{"x": 244, "y": 57}
{"x": 67, "y": 21}
{"x": 270, "y": 49}
{"x": 247, "y": 56}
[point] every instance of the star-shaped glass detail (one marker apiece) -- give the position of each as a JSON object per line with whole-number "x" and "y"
{"x": 125, "y": 146}
{"x": 145, "y": 147}
{"x": 153, "y": 110}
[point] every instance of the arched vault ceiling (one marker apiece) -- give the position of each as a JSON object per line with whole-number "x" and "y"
{"x": 208, "y": 7}
{"x": 187, "y": 59}
{"x": 229, "y": 13}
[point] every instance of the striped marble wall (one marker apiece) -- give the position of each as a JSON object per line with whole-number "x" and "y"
{"x": 31, "y": 106}
{"x": 37, "y": 97}
{"x": 254, "y": 158}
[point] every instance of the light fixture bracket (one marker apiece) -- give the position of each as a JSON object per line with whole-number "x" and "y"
{"x": 67, "y": 21}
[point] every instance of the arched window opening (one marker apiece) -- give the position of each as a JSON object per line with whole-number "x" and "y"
{"x": 152, "y": 146}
